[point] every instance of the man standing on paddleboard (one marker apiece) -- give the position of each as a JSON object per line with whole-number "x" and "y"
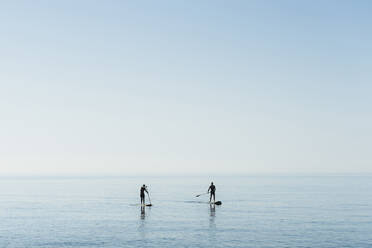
{"x": 212, "y": 191}
{"x": 142, "y": 194}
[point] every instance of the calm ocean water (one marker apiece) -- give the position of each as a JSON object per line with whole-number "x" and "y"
{"x": 257, "y": 211}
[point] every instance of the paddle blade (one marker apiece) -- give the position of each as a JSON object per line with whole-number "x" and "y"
{"x": 197, "y": 195}
{"x": 148, "y": 205}
{"x": 218, "y": 203}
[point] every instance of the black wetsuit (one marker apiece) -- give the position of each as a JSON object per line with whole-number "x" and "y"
{"x": 142, "y": 194}
{"x": 212, "y": 190}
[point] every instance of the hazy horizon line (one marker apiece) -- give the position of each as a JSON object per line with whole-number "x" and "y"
{"x": 237, "y": 174}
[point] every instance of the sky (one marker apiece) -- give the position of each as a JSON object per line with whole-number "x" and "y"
{"x": 185, "y": 87}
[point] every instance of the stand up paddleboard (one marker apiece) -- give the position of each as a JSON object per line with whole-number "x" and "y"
{"x": 141, "y": 205}
{"x": 216, "y": 203}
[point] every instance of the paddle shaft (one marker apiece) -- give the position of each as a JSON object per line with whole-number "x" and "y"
{"x": 149, "y": 197}
{"x": 202, "y": 194}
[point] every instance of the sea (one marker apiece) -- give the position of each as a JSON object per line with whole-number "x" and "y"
{"x": 256, "y": 211}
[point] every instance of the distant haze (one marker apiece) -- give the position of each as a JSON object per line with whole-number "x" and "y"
{"x": 164, "y": 87}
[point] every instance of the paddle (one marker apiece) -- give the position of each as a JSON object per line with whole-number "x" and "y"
{"x": 202, "y": 194}
{"x": 149, "y": 205}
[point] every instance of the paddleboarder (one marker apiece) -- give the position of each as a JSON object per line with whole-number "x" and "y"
{"x": 212, "y": 191}
{"x": 142, "y": 194}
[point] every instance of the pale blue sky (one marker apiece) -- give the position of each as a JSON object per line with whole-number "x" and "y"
{"x": 185, "y": 87}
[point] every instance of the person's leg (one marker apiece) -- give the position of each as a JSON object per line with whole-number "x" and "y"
{"x": 210, "y": 197}
{"x": 214, "y": 197}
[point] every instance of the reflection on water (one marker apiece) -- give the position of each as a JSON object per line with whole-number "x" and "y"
{"x": 142, "y": 223}
{"x": 143, "y": 213}
{"x": 212, "y": 210}
{"x": 212, "y": 224}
